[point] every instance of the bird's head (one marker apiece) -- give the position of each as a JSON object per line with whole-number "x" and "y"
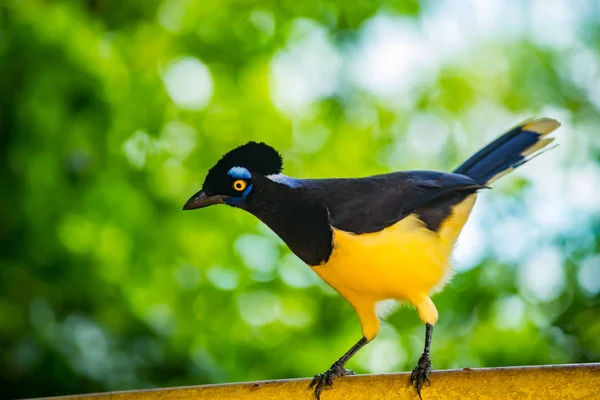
{"x": 233, "y": 178}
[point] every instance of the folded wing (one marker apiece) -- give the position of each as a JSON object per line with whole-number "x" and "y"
{"x": 371, "y": 204}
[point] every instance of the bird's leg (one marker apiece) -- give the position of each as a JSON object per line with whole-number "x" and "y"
{"x": 421, "y": 373}
{"x": 337, "y": 369}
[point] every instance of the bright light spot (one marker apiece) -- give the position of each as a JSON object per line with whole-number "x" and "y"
{"x": 425, "y": 138}
{"x": 509, "y": 312}
{"x": 307, "y": 69}
{"x": 481, "y": 20}
{"x": 223, "y": 278}
{"x": 112, "y": 246}
{"x": 444, "y": 29}
{"x": 77, "y": 233}
{"x": 188, "y": 83}
{"x": 138, "y": 147}
{"x": 392, "y": 56}
{"x": 258, "y": 308}
{"x": 178, "y": 138}
{"x": 583, "y": 186}
{"x": 584, "y": 70}
{"x": 543, "y": 276}
{"x": 513, "y": 238}
{"x": 264, "y": 21}
{"x": 385, "y": 308}
{"x": 384, "y": 354}
{"x": 554, "y": 23}
{"x": 583, "y": 66}
{"x": 427, "y": 134}
{"x": 259, "y": 253}
{"x": 294, "y": 313}
{"x": 160, "y": 318}
{"x": 588, "y": 275}
{"x": 548, "y": 207}
{"x": 309, "y": 139}
{"x": 171, "y": 14}
{"x": 362, "y": 114}
{"x": 470, "y": 246}
{"x": 295, "y": 273}
{"x": 92, "y": 354}
{"x": 478, "y": 128}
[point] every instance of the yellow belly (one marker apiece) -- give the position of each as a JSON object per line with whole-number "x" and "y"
{"x": 404, "y": 258}
{"x": 405, "y": 261}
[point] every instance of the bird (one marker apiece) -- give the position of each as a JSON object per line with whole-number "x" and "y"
{"x": 372, "y": 238}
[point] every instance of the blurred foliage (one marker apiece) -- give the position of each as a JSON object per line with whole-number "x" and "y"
{"x": 111, "y": 112}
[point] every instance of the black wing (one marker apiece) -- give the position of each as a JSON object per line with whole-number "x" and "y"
{"x": 373, "y": 203}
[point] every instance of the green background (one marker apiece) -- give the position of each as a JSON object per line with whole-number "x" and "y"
{"x": 112, "y": 111}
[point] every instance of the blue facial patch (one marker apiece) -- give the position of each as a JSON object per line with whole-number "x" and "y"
{"x": 244, "y": 174}
{"x": 239, "y": 173}
{"x": 238, "y": 201}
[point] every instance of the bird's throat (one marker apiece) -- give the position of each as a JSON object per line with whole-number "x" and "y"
{"x": 300, "y": 221}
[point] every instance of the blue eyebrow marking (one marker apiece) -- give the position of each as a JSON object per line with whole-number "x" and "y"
{"x": 239, "y": 173}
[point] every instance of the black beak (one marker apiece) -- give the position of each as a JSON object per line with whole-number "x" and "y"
{"x": 201, "y": 199}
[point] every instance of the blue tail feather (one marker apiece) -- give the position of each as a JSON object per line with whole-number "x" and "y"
{"x": 508, "y": 151}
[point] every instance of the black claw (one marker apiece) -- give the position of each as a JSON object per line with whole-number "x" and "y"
{"x": 314, "y": 380}
{"x": 327, "y": 377}
{"x": 421, "y": 373}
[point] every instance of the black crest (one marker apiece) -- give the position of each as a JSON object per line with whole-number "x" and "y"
{"x": 256, "y": 157}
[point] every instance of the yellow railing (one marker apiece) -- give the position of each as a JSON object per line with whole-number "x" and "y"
{"x": 568, "y": 382}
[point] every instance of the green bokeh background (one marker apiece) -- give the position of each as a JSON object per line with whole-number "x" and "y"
{"x": 111, "y": 112}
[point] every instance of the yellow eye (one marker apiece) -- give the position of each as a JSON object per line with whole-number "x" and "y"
{"x": 239, "y": 185}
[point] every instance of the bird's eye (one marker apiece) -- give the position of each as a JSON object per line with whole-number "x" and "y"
{"x": 239, "y": 185}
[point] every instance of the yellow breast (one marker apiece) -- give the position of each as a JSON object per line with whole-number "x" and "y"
{"x": 400, "y": 262}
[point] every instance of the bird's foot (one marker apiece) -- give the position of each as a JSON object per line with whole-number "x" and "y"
{"x": 327, "y": 377}
{"x": 421, "y": 373}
